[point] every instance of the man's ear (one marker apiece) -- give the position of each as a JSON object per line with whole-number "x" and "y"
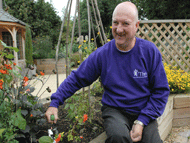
{"x": 137, "y": 24}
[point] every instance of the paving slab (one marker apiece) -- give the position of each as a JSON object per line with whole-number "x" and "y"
{"x": 45, "y": 82}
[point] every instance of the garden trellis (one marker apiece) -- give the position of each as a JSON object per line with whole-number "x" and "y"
{"x": 99, "y": 27}
{"x": 172, "y": 38}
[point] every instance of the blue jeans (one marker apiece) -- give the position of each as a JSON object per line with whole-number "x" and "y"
{"x": 118, "y": 124}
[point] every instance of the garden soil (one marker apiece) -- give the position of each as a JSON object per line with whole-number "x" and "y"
{"x": 87, "y": 132}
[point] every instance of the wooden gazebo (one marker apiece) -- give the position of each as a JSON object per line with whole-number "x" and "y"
{"x": 12, "y": 32}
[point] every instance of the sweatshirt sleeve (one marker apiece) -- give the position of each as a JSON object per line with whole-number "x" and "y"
{"x": 159, "y": 90}
{"x": 86, "y": 74}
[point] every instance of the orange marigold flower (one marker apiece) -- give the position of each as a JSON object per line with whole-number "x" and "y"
{"x": 14, "y": 64}
{"x": 81, "y": 137}
{"x": 85, "y": 116}
{"x": 1, "y": 84}
{"x": 3, "y": 71}
{"x": 58, "y": 138}
{"x": 31, "y": 115}
{"x": 25, "y": 79}
{"x": 42, "y": 73}
{"x": 8, "y": 66}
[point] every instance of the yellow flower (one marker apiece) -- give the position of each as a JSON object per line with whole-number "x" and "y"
{"x": 78, "y": 61}
{"x": 92, "y": 39}
{"x": 95, "y": 48}
{"x": 84, "y": 41}
{"x": 79, "y": 46}
{"x": 2, "y": 80}
{"x": 108, "y": 40}
{"x": 111, "y": 27}
{"x": 98, "y": 33}
{"x": 65, "y": 65}
{"x": 62, "y": 133}
{"x": 85, "y": 48}
{"x": 76, "y": 117}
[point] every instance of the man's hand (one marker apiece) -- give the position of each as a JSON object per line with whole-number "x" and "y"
{"x": 52, "y": 111}
{"x": 136, "y": 132}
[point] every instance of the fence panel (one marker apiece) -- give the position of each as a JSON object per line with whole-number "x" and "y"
{"x": 172, "y": 38}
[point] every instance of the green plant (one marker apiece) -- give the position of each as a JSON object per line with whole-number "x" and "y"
{"x": 20, "y": 111}
{"x": 28, "y": 47}
{"x": 42, "y": 47}
{"x": 80, "y": 109}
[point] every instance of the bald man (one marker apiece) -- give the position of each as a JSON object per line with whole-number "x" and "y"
{"x": 135, "y": 85}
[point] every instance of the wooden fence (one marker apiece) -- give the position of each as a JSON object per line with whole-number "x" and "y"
{"x": 172, "y": 38}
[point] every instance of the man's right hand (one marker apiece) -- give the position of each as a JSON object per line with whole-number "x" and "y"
{"x": 52, "y": 111}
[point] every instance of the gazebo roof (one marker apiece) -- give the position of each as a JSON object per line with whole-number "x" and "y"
{"x": 6, "y": 17}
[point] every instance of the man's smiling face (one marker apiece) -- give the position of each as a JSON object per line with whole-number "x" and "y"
{"x": 124, "y": 27}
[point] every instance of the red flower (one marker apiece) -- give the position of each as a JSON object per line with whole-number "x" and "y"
{"x": 81, "y": 137}
{"x": 85, "y": 116}
{"x": 14, "y": 64}
{"x": 3, "y": 71}
{"x": 58, "y": 138}
{"x": 25, "y": 79}
{"x": 31, "y": 115}
{"x": 1, "y": 84}
{"x": 42, "y": 73}
{"x": 8, "y": 66}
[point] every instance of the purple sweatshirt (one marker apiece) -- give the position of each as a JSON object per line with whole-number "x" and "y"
{"x": 135, "y": 80}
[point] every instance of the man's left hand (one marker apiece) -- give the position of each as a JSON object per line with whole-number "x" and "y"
{"x": 136, "y": 132}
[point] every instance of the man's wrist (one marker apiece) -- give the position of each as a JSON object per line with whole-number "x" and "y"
{"x": 138, "y": 122}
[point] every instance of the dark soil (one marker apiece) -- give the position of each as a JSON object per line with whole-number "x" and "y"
{"x": 89, "y": 130}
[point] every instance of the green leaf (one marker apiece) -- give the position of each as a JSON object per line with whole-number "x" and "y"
{"x": 14, "y": 48}
{"x": 18, "y": 120}
{"x": 66, "y": 106}
{"x": 10, "y": 56}
{"x": 1, "y": 131}
{"x": 45, "y": 139}
{"x": 72, "y": 106}
{"x": 4, "y": 45}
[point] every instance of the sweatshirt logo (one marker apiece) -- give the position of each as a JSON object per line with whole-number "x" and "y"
{"x": 138, "y": 74}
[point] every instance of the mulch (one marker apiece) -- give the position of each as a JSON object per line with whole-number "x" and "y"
{"x": 88, "y": 131}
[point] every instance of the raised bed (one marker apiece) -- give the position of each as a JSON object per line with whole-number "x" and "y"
{"x": 181, "y": 110}
{"x": 176, "y": 113}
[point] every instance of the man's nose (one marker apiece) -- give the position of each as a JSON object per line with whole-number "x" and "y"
{"x": 119, "y": 28}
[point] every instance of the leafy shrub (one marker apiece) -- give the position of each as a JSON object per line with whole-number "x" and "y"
{"x": 42, "y": 47}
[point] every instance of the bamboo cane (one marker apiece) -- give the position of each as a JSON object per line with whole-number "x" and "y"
{"x": 66, "y": 58}
{"x": 58, "y": 44}
{"x": 70, "y": 50}
{"x": 89, "y": 35}
{"x": 97, "y": 22}
{"x": 100, "y": 21}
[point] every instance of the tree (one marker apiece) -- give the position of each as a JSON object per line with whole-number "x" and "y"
{"x": 40, "y": 15}
{"x": 162, "y": 9}
{"x": 28, "y": 47}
